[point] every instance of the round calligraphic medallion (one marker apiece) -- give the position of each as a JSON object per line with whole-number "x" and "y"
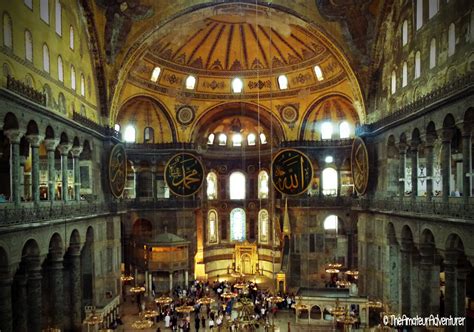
{"x": 292, "y": 172}
{"x": 185, "y": 115}
{"x": 289, "y": 114}
{"x": 184, "y": 174}
{"x": 117, "y": 170}
{"x": 360, "y": 165}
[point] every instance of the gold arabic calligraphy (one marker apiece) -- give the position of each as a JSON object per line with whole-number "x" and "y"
{"x": 183, "y": 175}
{"x": 291, "y": 175}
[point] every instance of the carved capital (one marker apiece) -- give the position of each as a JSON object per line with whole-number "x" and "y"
{"x": 76, "y": 151}
{"x": 64, "y": 148}
{"x": 14, "y": 135}
{"x": 34, "y": 140}
{"x": 51, "y": 144}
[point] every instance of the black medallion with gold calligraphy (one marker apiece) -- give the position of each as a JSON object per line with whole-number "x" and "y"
{"x": 184, "y": 174}
{"x": 117, "y": 170}
{"x": 292, "y": 172}
{"x": 360, "y": 165}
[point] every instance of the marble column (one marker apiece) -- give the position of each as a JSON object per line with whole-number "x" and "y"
{"x": 20, "y": 313}
{"x": 75, "y": 290}
{"x": 401, "y": 171}
{"x": 338, "y": 169}
{"x": 34, "y": 141}
{"x": 450, "y": 296}
{"x": 406, "y": 280}
{"x": 414, "y": 171}
{"x": 429, "y": 288}
{"x": 56, "y": 284}
{"x": 76, "y": 152}
{"x": 321, "y": 182}
{"x": 446, "y": 164}
{"x": 154, "y": 169}
{"x": 461, "y": 293}
{"x": 6, "y": 304}
{"x": 466, "y": 164}
{"x": 171, "y": 281}
{"x": 22, "y": 176}
{"x": 51, "y": 145}
{"x": 64, "y": 149}
{"x": 34, "y": 299}
{"x": 186, "y": 278}
{"x": 429, "y": 170}
{"x": 14, "y": 136}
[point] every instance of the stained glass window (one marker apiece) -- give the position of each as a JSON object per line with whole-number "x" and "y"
{"x": 237, "y": 224}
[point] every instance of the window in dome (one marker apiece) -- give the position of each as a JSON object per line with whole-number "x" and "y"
{"x": 433, "y": 7}
{"x": 283, "y": 82}
{"x": 222, "y": 139}
{"x": 190, "y": 82}
{"x": 329, "y": 159}
{"x": 417, "y": 64}
{"x": 28, "y": 46}
{"x": 263, "y": 225}
{"x": 117, "y": 127}
{"x": 451, "y": 39}
{"x": 7, "y": 31}
{"x": 263, "y": 184}
{"x": 46, "y": 58}
{"x": 60, "y": 69}
{"x": 83, "y": 85}
{"x": 405, "y": 33}
{"x": 210, "y": 139}
{"x": 330, "y": 223}
{"x": 58, "y": 17}
{"x": 319, "y": 73}
{"x": 237, "y": 140}
{"x": 433, "y": 53}
{"x": 393, "y": 82}
{"x": 71, "y": 37}
{"x": 329, "y": 182}
{"x": 263, "y": 138}
{"x": 237, "y": 225}
{"x": 212, "y": 221}
{"x": 404, "y": 75}
{"x": 251, "y": 139}
{"x": 237, "y": 185}
{"x": 44, "y": 10}
{"x": 73, "y": 78}
{"x": 237, "y": 85}
{"x": 326, "y": 130}
{"x": 344, "y": 129}
{"x": 211, "y": 185}
{"x": 155, "y": 74}
{"x": 149, "y": 135}
{"x": 129, "y": 135}
{"x": 28, "y": 3}
{"x": 419, "y": 14}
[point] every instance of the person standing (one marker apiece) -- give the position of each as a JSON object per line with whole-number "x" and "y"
{"x": 203, "y": 322}
{"x": 197, "y": 322}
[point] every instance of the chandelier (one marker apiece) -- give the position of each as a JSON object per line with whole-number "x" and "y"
{"x": 137, "y": 290}
{"x": 333, "y": 268}
{"x": 93, "y": 319}
{"x": 142, "y": 324}
{"x": 126, "y": 278}
{"x": 185, "y": 309}
{"x": 205, "y": 300}
{"x": 163, "y": 300}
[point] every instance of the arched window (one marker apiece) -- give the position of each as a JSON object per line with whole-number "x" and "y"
{"x": 419, "y": 14}
{"x": 237, "y": 85}
{"x": 212, "y": 226}
{"x": 433, "y": 53}
{"x": 83, "y": 110}
{"x": 60, "y": 69}
{"x": 71, "y": 37}
{"x": 237, "y": 185}
{"x": 28, "y": 46}
{"x": 190, "y": 82}
{"x": 283, "y": 82}
{"x": 62, "y": 103}
{"x": 263, "y": 184}
{"x": 7, "y": 31}
{"x": 237, "y": 225}
{"x": 129, "y": 135}
{"x": 46, "y": 58}
{"x": 83, "y": 86}
{"x": 222, "y": 139}
{"x": 393, "y": 82}
{"x": 319, "y": 73}
{"x": 263, "y": 225}
{"x": 251, "y": 139}
{"x": 417, "y": 64}
{"x": 44, "y": 10}
{"x": 73, "y": 78}
{"x": 326, "y": 130}
{"x": 263, "y": 138}
{"x": 329, "y": 181}
{"x": 330, "y": 223}
{"x": 433, "y": 7}
{"x": 405, "y": 33}
{"x": 149, "y": 135}
{"x": 211, "y": 185}
{"x": 404, "y": 74}
{"x": 237, "y": 140}
{"x": 58, "y": 17}
{"x": 451, "y": 39}
{"x": 155, "y": 74}
{"x": 344, "y": 130}
{"x": 210, "y": 139}
{"x": 28, "y": 3}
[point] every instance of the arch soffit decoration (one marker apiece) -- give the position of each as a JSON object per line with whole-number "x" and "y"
{"x": 143, "y": 42}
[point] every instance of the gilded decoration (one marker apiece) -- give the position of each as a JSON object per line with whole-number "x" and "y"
{"x": 117, "y": 170}
{"x": 292, "y": 172}
{"x": 360, "y": 165}
{"x": 184, "y": 174}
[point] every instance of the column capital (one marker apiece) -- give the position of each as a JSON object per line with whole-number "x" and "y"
{"x": 447, "y": 135}
{"x": 466, "y": 130}
{"x": 34, "y": 140}
{"x": 22, "y": 160}
{"x": 402, "y": 147}
{"x": 64, "y": 148}
{"x": 51, "y": 144}
{"x": 14, "y": 135}
{"x": 76, "y": 151}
